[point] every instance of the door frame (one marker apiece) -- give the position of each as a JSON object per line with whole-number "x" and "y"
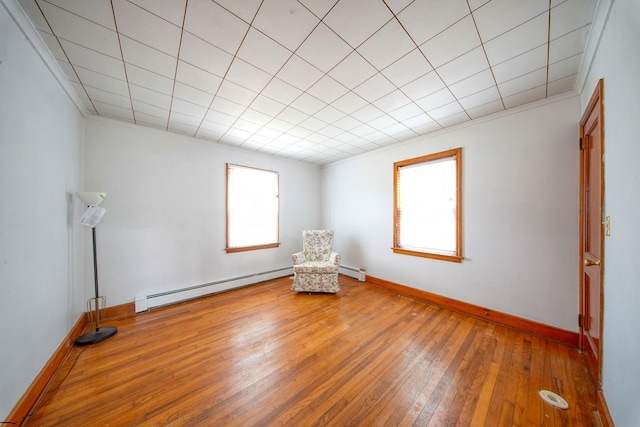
{"x": 596, "y": 102}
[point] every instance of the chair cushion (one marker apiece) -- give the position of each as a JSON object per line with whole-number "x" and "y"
{"x": 315, "y": 267}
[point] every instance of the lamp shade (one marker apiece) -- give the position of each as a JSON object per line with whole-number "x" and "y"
{"x": 91, "y": 197}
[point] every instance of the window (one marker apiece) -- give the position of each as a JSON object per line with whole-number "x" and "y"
{"x": 427, "y": 206}
{"x": 252, "y": 208}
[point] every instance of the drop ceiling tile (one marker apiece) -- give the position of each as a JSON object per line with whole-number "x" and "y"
{"x": 327, "y": 89}
{"x": 421, "y": 124}
{"x": 292, "y": 115}
{"x": 568, "y": 45}
{"x": 486, "y": 109}
{"x": 246, "y": 126}
{"x": 104, "y": 82}
{"x": 98, "y": 11}
{"x": 256, "y": 117}
{"x": 286, "y": 21}
{"x": 452, "y": 43}
{"x": 382, "y": 122}
{"x": 352, "y": 71}
{"x": 329, "y": 114}
{"x": 35, "y": 16}
{"x": 151, "y": 103}
{"x": 347, "y": 123}
{"x": 299, "y": 73}
{"x": 425, "y": 19}
{"x": 308, "y": 104}
{"x": 392, "y": 101}
{"x": 331, "y": 131}
{"x": 407, "y": 112}
{"x": 356, "y": 20}
{"x": 521, "y": 39}
{"x": 423, "y": 86}
{"x": 561, "y": 85}
{"x": 436, "y": 100}
{"x": 150, "y": 110}
{"x": 525, "y": 97}
{"x": 69, "y": 71}
{"x": 151, "y": 120}
{"x": 148, "y": 58}
{"x": 280, "y": 125}
{"x": 523, "y": 83}
{"x": 83, "y": 32}
{"x": 147, "y": 79}
{"x": 102, "y": 96}
{"x": 476, "y": 4}
{"x": 214, "y": 24}
{"x": 219, "y": 118}
{"x": 236, "y": 93}
{"x": 169, "y": 10}
{"x": 319, "y": 7}
{"x": 114, "y": 111}
{"x": 209, "y": 135}
{"x": 183, "y": 124}
{"x": 349, "y": 102}
{"x": 408, "y": 68}
{"x": 263, "y": 52}
{"x": 387, "y": 45}
{"x": 323, "y": 48}
{"x": 367, "y": 113}
{"x": 238, "y": 134}
{"x": 267, "y": 106}
{"x": 300, "y": 133}
{"x": 203, "y": 55}
{"x": 54, "y": 46}
{"x": 197, "y": 78}
{"x": 564, "y": 68}
{"x": 397, "y": 6}
{"x": 313, "y": 124}
{"x": 187, "y": 108}
{"x": 246, "y": 75}
{"x": 362, "y": 130}
{"x": 214, "y": 127}
{"x": 474, "y": 84}
{"x": 192, "y": 94}
{"x": 570, "y": 15}
{"x": 146, "y": 28}
{"x": 478, "y": 99}
{"x": 521, "y": 64}
{"x": 464, "y": 67}
{"x": 454, "y": 119}
{"x": 245, "y": 10}
{"x": 499, "y": 16}
{"x": 281, "y": 91}
{"x": 374, "y": 88}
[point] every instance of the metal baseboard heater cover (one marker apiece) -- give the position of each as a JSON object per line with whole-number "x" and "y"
{"x": 161, "y": 299}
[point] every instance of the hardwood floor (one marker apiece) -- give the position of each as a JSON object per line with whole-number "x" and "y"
{"x": 265, "y": 355}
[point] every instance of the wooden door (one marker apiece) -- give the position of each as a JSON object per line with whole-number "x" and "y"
{"x": 592, "y": 232}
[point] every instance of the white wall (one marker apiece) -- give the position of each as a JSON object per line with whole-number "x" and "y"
{"x": 40, "y": 242}
{"x": 166, "y": 221}
{"x": 520, "y": 213}
{"x": 617, "y": 60}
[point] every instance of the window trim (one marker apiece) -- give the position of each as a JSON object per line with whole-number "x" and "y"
{"x": 457, "y": 257}
{"x": 234, "y": 249}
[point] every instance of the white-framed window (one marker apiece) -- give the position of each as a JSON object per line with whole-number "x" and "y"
{"x": 428, "y": 206}
{"x": 252, "y": 208}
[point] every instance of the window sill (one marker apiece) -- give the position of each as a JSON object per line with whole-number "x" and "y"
{"x": 251, "y": 248}
{"x": 441, "y": 257}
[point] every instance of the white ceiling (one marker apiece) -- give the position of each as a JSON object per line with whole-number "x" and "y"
{"x": 313, "y": 80}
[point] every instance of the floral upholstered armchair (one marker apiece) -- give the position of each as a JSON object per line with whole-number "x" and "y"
{"x": 315, "y": 269}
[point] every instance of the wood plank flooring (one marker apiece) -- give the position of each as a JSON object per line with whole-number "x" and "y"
{"x": 267, "y": 356}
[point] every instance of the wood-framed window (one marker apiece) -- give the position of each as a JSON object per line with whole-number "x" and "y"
{"x": 428, "y": 206}
{"x": 252, "y": 208}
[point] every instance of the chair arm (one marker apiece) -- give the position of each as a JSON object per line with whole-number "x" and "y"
{"x": 334, "y": 258}
{"x": 298, "y": 258}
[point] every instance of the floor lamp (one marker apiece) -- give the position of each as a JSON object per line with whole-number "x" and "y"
{"x": 90, "y": 218}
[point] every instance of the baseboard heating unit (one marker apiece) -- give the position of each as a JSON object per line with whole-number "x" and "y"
{"x": 147, "y": 302}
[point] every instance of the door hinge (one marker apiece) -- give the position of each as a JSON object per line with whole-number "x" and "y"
{"x": 580, "y": 321}
{"x": 581, "y": 144}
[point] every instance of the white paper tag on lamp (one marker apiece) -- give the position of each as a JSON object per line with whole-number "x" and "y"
{"x": 92, "y": 216}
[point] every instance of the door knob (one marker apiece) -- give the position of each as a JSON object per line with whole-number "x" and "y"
{"x": 588, "y": 262}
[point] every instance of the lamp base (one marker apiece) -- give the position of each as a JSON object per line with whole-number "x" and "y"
{"x": 96, "y": 336}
